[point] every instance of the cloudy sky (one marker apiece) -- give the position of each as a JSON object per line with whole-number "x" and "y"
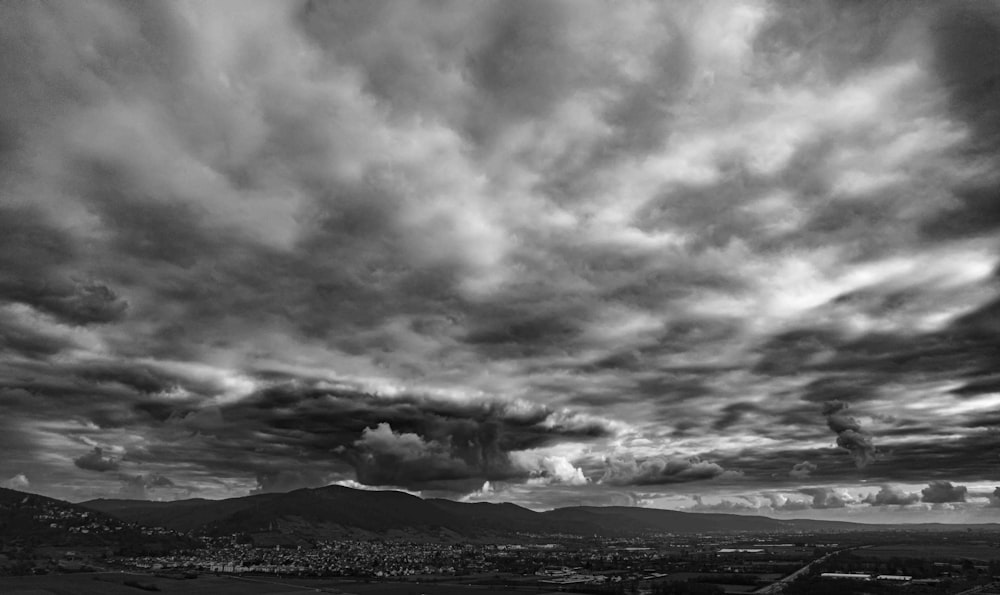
{"x": 720, "y": 255}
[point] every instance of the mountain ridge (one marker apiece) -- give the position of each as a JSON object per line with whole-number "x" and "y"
{"x": 338, "y": 511}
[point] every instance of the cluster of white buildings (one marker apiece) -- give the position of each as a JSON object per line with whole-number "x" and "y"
{"x": 860, "y": 576}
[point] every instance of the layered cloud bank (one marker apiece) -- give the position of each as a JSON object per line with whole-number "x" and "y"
{"x": 546, "y": 251}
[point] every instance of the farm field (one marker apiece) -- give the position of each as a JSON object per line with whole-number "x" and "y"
{"x": 937, "y": 551}
{"x": 415, "y": 588}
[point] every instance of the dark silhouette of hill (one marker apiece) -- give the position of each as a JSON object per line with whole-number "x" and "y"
{"x": 179, "y": 515}
{"x": 33, "y": 519}
{"x": 333, "y": 508}
{"x": 498, "y": 518}
{"x": 336, "y": 511}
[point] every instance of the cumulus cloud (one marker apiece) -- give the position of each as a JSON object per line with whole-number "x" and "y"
{"x": 938, "y": 492}
{"x": 827, "y": 498}
{"x": 96, "y": 460}
{"x": 549, "y": 469}
{"x": 138, "y": 487}
{"x": 782, "y": 502}
{"x": 742, "y": 504}
{"x": 484, "y": 493}
{"x": 18, "y": 482}
{"x": 891, "y": 496}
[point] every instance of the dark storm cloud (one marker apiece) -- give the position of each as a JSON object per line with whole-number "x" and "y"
{"x": 385, "y": 457}
{"x": 412, "y": 441}
{"x": 28, "y": 340}
{"x": 242, "y": 243}
{"x": 96, "y": 460}
{"x": 346, "y": 412}
{"x": 142, "y": 379}
{"x": 938, "y": 492}
{"x": 74, "y": 302}
{"x": 970, "y": 458}
{"x": 802, "y": 470}
{"x": 659, "y": 470}
{"x": 850, "y": 437}
{"x": 33, "y": 251}
{"x": 938, "y": 456}
{"x": 892, "y": 496}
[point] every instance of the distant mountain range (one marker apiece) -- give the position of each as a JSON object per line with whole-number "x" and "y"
{"x": 336, "y": 512}
{"x": 340, "y": 512}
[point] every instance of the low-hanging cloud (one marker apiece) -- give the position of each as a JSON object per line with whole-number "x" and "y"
{"x": 827, "y": 498}
{"x": 497, "y": 241}
{"x": 892, "y": 496}
{"x": 742, "y": 504}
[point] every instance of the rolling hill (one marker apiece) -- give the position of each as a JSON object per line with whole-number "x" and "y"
{"x": 336, "y": 511}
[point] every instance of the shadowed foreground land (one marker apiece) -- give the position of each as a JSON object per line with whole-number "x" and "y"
{"x": 113, "y": 583}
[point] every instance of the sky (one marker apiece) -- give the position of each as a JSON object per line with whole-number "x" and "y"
{"x": 726, "y": 255}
